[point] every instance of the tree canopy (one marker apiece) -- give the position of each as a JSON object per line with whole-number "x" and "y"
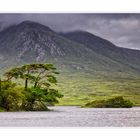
{"x": 38, "y": 74}
{"x": 38, "y": 91}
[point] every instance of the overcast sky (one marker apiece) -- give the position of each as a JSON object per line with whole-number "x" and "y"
{"x": 121, "y": 29}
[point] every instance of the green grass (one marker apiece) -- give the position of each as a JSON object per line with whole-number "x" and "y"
{"x": 2, "y": 109}
{"x": 79, "y": 89}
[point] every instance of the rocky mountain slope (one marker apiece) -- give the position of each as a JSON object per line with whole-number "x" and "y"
{"x": 79, "y": 51}
{"x": 106, "y": 48}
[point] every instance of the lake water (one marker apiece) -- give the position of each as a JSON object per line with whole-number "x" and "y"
{"x": 72, "y": 116}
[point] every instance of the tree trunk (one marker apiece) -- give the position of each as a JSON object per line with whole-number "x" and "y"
{"x": 35, "y": 84}
{"x": 26, "y": 83}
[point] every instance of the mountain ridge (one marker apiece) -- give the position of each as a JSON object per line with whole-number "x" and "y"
{"x": 101, "y": 46}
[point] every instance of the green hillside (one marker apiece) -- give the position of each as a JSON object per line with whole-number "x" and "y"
{"x": 80, "y": 88}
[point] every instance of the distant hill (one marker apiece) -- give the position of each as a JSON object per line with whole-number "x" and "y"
{"x": 127, "y": 57}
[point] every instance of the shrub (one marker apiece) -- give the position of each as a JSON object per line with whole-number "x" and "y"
{"x": 37, "y": 99}
{"x": 9, "y": 96}
{"x": 116, "y": 102}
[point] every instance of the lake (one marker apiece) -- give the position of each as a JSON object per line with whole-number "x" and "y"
{"x": 74, "y": 116}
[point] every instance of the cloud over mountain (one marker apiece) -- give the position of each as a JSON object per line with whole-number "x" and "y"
{"x": 121, "y": 29}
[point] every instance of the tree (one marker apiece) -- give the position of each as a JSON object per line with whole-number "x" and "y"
{"x": 37, "y": 93}
{"x": 38, "y": 74}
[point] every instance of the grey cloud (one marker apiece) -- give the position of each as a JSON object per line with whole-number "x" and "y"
{"x": 121, "y": 29}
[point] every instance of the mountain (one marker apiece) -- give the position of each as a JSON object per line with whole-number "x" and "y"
{"x": 79, "y": 51}
{"x": 33, "y": 42}
{"x": 125, "y": 56}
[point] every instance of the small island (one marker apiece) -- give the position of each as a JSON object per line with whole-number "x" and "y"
{"x": 29, "y": 87}
{"x": 115, "y": 102}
